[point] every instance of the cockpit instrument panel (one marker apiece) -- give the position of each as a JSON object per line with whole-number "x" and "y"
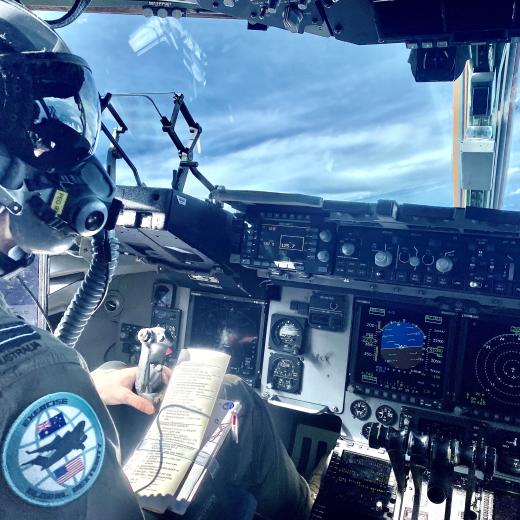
{"x": 233, "y": 325}
{"x": 289, "y": 241}
{"x": 489, "y": 386}
{"x": 400, "y": 353}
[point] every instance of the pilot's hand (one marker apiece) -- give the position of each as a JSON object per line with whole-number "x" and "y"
{"x": 115, "y": 386}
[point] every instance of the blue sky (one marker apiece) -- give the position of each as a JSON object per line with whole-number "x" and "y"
{"x": 279, "y": 111}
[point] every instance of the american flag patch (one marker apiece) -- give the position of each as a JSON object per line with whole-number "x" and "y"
{"x": 70, "y": 469}
{"x": 51, "y": 425}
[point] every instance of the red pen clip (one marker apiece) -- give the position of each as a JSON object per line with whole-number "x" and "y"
{"x": 234, "y": 426}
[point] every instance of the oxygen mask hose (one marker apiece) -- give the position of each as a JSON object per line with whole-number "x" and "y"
{"x": 93, "y": 288}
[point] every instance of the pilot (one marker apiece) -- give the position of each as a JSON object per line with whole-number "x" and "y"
{"x": 59, "y": 449}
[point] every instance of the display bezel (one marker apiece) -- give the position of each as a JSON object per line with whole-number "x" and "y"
{"x": 466, "y": 409}
{"x": 263, "y": 305}
{"x": 445, "y": 400}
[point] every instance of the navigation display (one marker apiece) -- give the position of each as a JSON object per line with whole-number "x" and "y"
{"x": 401, "y": 350}
{"x": 233, "y": 325}
{"x": 491, "y": 380}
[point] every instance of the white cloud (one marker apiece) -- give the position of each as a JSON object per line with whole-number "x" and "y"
{"x": 280, "y": 112}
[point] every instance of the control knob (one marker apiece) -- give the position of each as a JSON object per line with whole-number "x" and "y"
{"x": 444, "y": 264}
{"x": 348, "y": 249}
{"x": 383, "y": 258}
{"x": 323, "y": 256}
{"x": 414, "y": 261}
{"x": 325, "y": 235}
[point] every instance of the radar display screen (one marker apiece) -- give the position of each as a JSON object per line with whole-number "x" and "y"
{"x": 401, "y": 351}
{"x": 490, "y": 384}
{"x": 233, "y": 325}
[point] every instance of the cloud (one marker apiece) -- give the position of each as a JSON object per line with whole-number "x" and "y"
{"x": 355, "y": 165}
{"x": 279, "y": 111}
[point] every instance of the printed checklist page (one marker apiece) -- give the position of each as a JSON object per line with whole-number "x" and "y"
{"x": 178, "y": 430}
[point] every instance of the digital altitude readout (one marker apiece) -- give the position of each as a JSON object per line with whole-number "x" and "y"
{"x": 402, "y": 350}
{"x": 491, "y": 383}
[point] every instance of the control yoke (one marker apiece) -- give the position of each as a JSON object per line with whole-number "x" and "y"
{"x": 155, "y": 343}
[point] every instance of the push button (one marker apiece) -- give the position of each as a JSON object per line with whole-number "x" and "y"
{"x": 429, "y": 279}
{"x": 401, "y": 276}
{"x": 415, "y": 278}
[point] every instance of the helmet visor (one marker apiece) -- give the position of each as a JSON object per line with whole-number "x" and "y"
{"x": 49, "y": 109}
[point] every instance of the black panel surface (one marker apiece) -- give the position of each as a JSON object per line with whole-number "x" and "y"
{"x": 233, "y": 325}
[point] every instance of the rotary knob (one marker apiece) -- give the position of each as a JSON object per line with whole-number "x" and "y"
{"x": 323, "y": 256}
{"x": 383, "y": 258}
{"x": 325, "y": 235}
{"x": 444, "y": 264}
{"x": 348, "y": 249}
{"x": 414, "y": 261}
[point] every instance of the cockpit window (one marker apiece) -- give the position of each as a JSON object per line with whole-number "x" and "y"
{"x": 512, "y": 192}
{"x": 279, "y": 111}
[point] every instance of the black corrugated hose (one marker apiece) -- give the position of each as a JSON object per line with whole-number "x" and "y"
{"x": 93, "y": 288}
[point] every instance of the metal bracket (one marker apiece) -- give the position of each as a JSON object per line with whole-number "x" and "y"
{"x": 10, "y": 203}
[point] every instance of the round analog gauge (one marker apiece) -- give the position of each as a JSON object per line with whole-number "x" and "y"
{"x": 360, "y": 410}
{"x": 287, "y": 332}
{"x": 365, "y": 431}
{"x": 386, "y": 415}
{"x": 286, "y": 375}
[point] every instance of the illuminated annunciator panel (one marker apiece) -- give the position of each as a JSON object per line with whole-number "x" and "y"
{"x": 401, "y": 353}
{"x": 233, "y": 325}
{"x": 489, "y": 374}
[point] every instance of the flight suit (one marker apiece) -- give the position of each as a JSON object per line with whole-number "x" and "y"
{"x": 259, "y": 462}
{"x": 41, "y": 380}
{"x": 33, "y": 366}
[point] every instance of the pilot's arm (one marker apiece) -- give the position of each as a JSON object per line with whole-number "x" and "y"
{"x": 48, "y": 397}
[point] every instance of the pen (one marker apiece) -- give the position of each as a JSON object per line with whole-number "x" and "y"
{"x": 234, "y": 426}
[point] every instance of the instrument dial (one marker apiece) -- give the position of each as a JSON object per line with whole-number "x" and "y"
{"x": 287, "y": 334}
{"x": 360, "y": 410}
{"x": 285, "y": 374}
{"x": 386, "y": 415}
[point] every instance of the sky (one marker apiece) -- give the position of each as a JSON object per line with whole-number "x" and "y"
{"x": 279, "y": 111}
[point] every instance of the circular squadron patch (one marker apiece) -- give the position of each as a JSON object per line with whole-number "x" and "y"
{"x": 54, "y": 451}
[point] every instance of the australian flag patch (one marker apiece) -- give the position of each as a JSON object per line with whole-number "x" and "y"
{"x": 51, "y": 425}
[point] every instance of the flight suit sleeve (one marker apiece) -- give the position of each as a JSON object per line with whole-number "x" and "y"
{"x": 59, "y": 445}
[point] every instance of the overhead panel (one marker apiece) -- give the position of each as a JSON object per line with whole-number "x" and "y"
{"x": 448, "y": 22}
